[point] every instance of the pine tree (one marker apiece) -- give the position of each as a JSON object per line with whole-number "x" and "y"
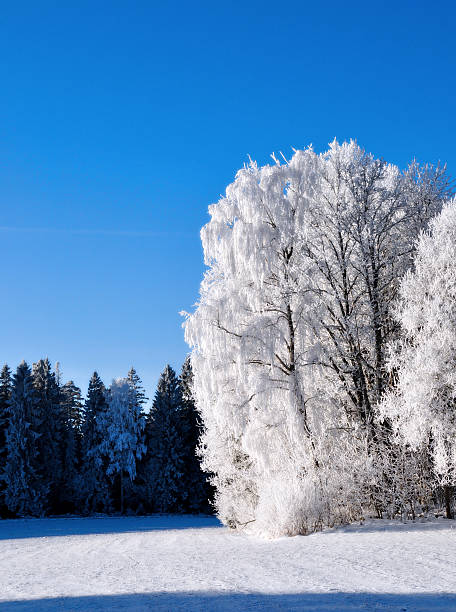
{"x": 95, "y": 486}
{"x": 168, "y": 431}
{"x": 123, "y": 431}
{"x": 5, "y": 396}
{"x": 51, "y": 442}
{"x": 136, "y": 386}
{"x": 71, "y": 405}
{"x": 200, "y": 492}
{"x": 25, "y": 491}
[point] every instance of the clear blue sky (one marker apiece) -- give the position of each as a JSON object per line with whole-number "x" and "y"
{"x": 122, "y": 121}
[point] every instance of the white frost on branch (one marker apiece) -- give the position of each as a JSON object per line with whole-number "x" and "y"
{"x": 422, "y": 406}
{"x": 290, "y": 333}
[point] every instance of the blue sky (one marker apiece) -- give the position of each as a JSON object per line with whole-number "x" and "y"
{"x": 122, "y": 121}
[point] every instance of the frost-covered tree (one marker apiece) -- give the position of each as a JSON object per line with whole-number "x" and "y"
{"x": 122, "y": 427}
{"x": 95, "y": 485}
{"x": 254, "y": 360}
{"x": 26, "y": 492}
{"x": 421, "y": 408}
{"x": 289, "y": 337}
{"x": 5, "y": 396}
{"x": 134, "y": 490}
{"x": 51, "y": 441}
{"x": 360, "y": 230}
{"x": 167, "y": 430}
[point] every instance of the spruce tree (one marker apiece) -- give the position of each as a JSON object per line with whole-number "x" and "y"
{"x": 136, "y": 386}
{"x": 26, "y": 492}
{"x": 123, "y": 434}
{"x": 51, "y": 442}
{"x": 5, "y": 396}
{"x": 167, "y": 434}
{"x": 134, "y": 489}
{"x": 200, "y": 492}
{"x": 71, "y": 405}
{"x": 95, "y": 486}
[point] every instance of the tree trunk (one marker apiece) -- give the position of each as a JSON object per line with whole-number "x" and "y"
{"x": 447, "y": 494}
{"x": 121, "y": 494}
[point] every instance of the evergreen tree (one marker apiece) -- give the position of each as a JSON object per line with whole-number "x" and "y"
{"x": 136, "y": 386}
{"x": 5, "y": 396}
{"x": 123, "y": 428}
{"x": 25, "y": 490}
{"x": 51, "y": 442}
{"x": 168, "y": 431}
{"x": 200, "y": 492}
{"x": 95, "y": 487}
{"x": 134, "y": 490}
{"x": 71, "y": 405}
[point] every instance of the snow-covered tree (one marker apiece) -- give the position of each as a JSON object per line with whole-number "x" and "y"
{"x": 255, "y": 363}
{"x": 360, "y": 230}
{"x": 26, "y": 492}
{"x": 95, "y": 485}
{"x": 421, "y": 408}
{"x": 134, "y": 490}
{"x": 167, "y": 430}
{"x": 289, "y": 337}
{"x": 5, "y": 396}
{"x": 122, "y": 427}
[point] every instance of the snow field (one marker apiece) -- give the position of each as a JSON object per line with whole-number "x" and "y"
{"x": 192, "y": 563}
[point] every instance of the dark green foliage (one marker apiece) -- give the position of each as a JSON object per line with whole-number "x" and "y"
{"x": 135, "y": 384}
{"x": 200, "y": 492}
{"x": 95, "y": 485}
{"x": 5, "y": 396}
{"x": 26, "y": 491}
{"x": 71, "y": 407}
{"x": 51, "y": 441}
{"x": 167, "y": 434}
{"x": 54, "y": 447}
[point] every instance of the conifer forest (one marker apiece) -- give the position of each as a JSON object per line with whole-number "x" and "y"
{"x": 62, "y": 454}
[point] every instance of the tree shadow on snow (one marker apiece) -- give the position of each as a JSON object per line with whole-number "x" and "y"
{"x": 227, "y": 602}
{"x": 12, "y": 529}
{"x": 381, "y": 525}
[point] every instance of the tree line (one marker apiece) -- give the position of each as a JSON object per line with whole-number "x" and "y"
{"x": 62, "y": 454}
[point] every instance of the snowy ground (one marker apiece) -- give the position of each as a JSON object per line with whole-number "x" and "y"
{"x": 188, "y": 563}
